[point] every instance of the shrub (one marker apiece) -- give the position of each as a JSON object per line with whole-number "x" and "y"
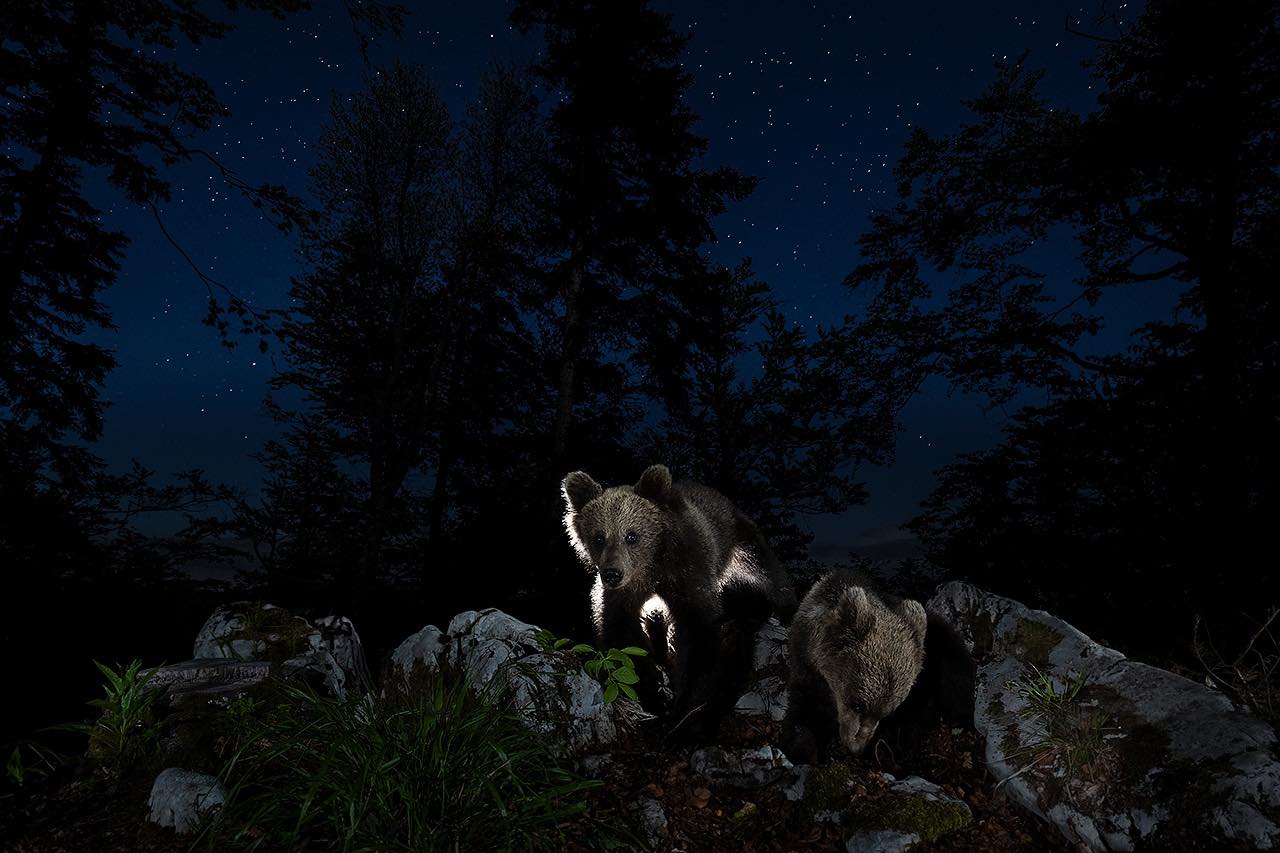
{"x": 1252, "y": 674}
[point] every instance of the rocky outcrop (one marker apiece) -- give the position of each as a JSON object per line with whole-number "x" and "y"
{"x": 243, "y": 635}
{"x": 498, "y": 651}
{"x": 182, "y": 799}
{"x": 1115, "y": 753}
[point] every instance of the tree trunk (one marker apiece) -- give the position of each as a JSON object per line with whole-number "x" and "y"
{"x": 569, "y": 356}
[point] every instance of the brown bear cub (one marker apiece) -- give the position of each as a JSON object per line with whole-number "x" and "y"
{"x": 680, "y": 572}
{"x": 870, "y": 670}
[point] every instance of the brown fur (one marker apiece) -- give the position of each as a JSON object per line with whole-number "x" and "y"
{"x": 689, "y": 547}
{"x": 867, "y": 653}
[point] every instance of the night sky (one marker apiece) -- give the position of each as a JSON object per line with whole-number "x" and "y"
{"x": 815, "y": 99}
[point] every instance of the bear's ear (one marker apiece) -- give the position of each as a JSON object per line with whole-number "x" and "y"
{"x": 579, "y": 489}
{"x": 655, "y": 484}
{"x": 916, "y": 618}
{"x": 856, "y": 613}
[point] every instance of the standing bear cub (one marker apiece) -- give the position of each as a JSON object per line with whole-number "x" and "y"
{"x": 869, "y": 668}
{"x": 680, "y": 572}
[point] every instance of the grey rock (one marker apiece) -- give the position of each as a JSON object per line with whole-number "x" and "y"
{"x": 251, "y": 630}
{"x": 881, "y": 841}
{"x": 337, "y": 636}
{"x": 767, "y": 691}
{"x": 182, "y": 799}
{"x": 500, "y": 652}
{"x": 209, "y": 674}
{"x": 743, "y": 768}
{"x": 793, "y": 789}
{"x": 423, "y": 650}
{"x": 263, "y": 635}
{"x": 1173, "y": 751}
{"x": 771, "y": 646}
{"x": 918, "y": 787}
{"x": 653, "y": 820}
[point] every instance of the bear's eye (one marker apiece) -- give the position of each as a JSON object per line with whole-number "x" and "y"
{"x": 598, "y": 540}
{"x": 859, "y": 708}
{"x": 631, "y": 537}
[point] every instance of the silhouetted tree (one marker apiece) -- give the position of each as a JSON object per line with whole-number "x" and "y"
{"x": 81, "y": 94}
{"x": 630, "y": 201}
{"x": 97, "y": 90}
{"x": 1148, "y": 464}
{"x": 364, "y": 339}
{"x": 775, "y": 420}
{"x": 410, "y": 339}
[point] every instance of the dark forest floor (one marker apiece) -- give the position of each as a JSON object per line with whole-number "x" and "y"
{"x": 95, "y": 813}
{"x": 705, "y": 817}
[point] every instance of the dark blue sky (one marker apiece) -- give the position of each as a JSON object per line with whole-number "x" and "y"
{"x": 816, "y": 99}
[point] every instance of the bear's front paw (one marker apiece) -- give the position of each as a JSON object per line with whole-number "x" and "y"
{"x": 800, "y": 745}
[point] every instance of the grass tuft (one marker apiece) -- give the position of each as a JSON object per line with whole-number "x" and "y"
{"x": 441, "y": 769}
{"x": 1068, "y": 736}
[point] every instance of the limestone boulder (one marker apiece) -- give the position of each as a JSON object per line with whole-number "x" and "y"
{"x": 250, "y": 633}
{"x": 767, "y": 691}
{"x": 182, "y": 799}
{"x": 549, "y": 689}
{"x": 1121, "y": 754}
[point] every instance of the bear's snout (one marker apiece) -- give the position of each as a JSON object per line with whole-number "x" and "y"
{"x": 611, "y": 576}
{"x": 856, "y": 732}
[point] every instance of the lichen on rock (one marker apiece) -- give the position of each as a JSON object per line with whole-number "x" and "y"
{"x": 1167, "y": 759}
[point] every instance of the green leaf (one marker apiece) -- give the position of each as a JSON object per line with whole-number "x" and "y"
{"x": 629, "y": 692}
{"x": 610, "y": 692}
{"x": 583, "y": 649}
{"x": 626, "y": 676}
{"x": 634, "y": 651}
{"x": 561, "y": 643}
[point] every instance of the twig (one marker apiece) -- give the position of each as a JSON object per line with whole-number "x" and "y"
{"x": 207, "y": 280}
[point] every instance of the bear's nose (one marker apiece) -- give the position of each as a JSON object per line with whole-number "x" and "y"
{"x": 611, "y": 576}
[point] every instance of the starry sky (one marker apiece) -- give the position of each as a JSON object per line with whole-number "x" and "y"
{"x": 816, "y": 99}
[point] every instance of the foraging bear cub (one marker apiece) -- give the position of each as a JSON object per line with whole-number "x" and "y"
{"x": 682, "y": 573}
{"x": 866, "y": 668}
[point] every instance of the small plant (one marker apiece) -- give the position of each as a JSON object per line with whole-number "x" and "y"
{"x": 30, "y": 761}
{"x": 615, "y": 668}
{"x": 1070, "y": 736}
{"x": 125, "y": 729}
{"x": 439, "y": 769}
{"x": 237, "y": 722}
{"x": 284, "y": 634}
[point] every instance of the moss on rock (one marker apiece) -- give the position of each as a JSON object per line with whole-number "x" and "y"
{"x": 283, "y": 634}
{"x": 928, "y": 818}
{"x": 982, "y": 630}
{"x": 829, "y": 788}
{"x": 1011, "y": 743}
{"x": 1035, "y": 641}
{"x": 1141, "y": 746}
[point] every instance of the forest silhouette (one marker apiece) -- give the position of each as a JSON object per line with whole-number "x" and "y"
{"x": 489, "y": 300}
